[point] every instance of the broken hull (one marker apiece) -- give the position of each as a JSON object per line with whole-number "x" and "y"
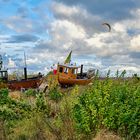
{"x": 65, "y": 81}
{"x": 25, "y": 83}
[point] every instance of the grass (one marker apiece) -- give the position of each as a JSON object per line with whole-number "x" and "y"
{"x": 51, "y": 117}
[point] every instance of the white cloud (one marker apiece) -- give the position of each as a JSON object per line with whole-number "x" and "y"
{"x": 63, "y": 9}
{"x": 67, "y": 33}
{"x": 11, "y": 63}
{"x": 32, "y": 61}
{"x": 118, "y": 27}
{"x": 74, "y": 28}
{"x": 67, "y": 29}
{"x": 23, "y": 25}
{"x": 135, "y": 43}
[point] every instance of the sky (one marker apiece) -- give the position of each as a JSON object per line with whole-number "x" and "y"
{"x": 47, "y": 30}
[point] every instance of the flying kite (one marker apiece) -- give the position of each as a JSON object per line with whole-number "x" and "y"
{"x": 108, "y": 25}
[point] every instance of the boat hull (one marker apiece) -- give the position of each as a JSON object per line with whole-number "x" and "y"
{"x": 25, "y": 83}
{"x": 65, "y": 81}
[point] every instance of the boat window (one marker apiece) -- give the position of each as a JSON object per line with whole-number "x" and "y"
{"x": 0, "y": 74}
{"x": 66, "y": 70}
{"x": 5, "y": 74}
{"x": 61, "y": 69}
{"x": 74, "y": 71}
{"x": 78, "y": 71}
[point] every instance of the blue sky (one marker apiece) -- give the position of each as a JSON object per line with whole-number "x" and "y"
{"x": 48, "y": 29}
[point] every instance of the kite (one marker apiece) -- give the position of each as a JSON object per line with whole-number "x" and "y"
{"x": 108, "y": 25}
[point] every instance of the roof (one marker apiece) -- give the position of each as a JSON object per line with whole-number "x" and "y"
{"x": 69, "y": 65}
{"x": 3, "y": 70}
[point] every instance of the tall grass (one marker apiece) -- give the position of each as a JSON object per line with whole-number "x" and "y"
{"x": 107, "y": 109}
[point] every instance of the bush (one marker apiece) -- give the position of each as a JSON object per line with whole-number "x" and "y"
{"x": 55, "y": 94}
{"x": 31, "y": 92}
{"x": 4, "y": 93}
{"x": 112, "y": 105}
{"x": 41, "y": 103}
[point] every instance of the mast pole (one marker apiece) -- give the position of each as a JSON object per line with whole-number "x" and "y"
{"x": 1, "y": 62}
{"x": 25, "y": 59}
{"x": 25, "y": 68}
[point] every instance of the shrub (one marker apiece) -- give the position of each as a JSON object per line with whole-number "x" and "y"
{"x": 41, "y": 103}
{"x": 31, "y": 92}
{"x": 55, "y": 94}
{"x": 4, "y": 93}
{"x": 110, "y": 104}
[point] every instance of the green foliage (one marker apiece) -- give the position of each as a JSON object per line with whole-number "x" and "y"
{"x": 122, "y": 75}
{"x": 55, "y": 94}
{"x": 41, "y": 104}
{"x": 117, "y": 73}
{"x": 135, "y": 76}
{"x": 49, "y": 73}
{"x": 4, "y": 93}
{"x": 110, "y": 104}
{"x": 97, "y": 74}
{"x": 31, "y": 92}
{"x": 108, "y": 73}
{"x": 9, "y": 105}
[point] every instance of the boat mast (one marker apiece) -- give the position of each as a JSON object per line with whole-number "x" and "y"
{"x": 25, "y": 67}
{"x": 1, "y": 62}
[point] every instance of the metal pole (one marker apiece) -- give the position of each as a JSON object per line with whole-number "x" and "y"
{"x": 25, "y": 68}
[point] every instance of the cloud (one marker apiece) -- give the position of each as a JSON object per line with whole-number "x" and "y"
{"x": 135, "y": 43}
{"x": 22, "y": 25}
{"x": 116, "y": 9}
{"x": 22, "y": 38}
{"x": 67, "y": 29}
{"x": 49, "y": 33}
{"x": 11, "y": 63}
{"x": 111, "y": 48}
{"x": 78, "y": 16}
{"x": 135, "y": 55}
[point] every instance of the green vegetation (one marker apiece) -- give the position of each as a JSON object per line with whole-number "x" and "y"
{"x": 55, "y": 94}
{"x": 111, "y": 105}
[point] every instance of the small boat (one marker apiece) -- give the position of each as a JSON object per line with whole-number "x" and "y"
{"x": 18, "y": 84}
{"x": 68, "y": 75}
{"x": 25, "y": 83}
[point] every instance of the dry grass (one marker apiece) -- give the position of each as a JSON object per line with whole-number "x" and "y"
{"x": 105, "y": 135}
{"x": 15, "y": 95}
{"x": 60, "y": 124}
{"x": 3, "y": 85}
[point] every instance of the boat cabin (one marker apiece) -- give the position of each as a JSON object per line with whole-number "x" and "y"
{"x": 70, "y": 71}
{"x": 4, "y": 75}
{"x": 67, "y": 71}
{"x": 69, "y": 75}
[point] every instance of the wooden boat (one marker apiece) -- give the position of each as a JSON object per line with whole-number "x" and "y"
{"x": 68, "y": 75}
{"x": 26, "y": 83}
{"x": 18, "y": 84}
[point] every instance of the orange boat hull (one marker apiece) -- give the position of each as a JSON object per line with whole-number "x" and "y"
{"x": 66, "y": 81}
{"x": 25, "y": 84}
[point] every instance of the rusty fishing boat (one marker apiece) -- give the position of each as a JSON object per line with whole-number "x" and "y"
{"x": 23, "y": 83}
{"x": 68, "y": 74}
{"x": 18, "y": 84}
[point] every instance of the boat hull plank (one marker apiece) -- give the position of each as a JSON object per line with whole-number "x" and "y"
{"x": 74, "y": 81}
{"x": 25, "y": 84}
